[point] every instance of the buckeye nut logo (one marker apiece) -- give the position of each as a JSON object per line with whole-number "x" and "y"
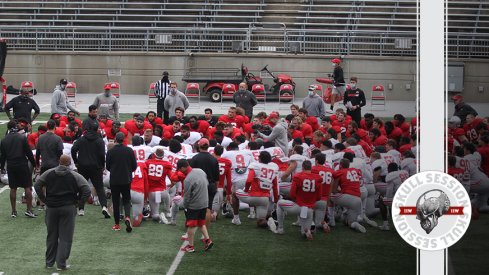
{"x": 431, "y": 210}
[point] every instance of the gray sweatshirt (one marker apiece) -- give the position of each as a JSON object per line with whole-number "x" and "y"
{"x": 59, "y": 102}
{"x": 174, "y": 101}
{"x": 314, "y": 105}
{"x": 279, "y": 136}
{"x": 195, "y": 195}
{"x": 49, "y": 148}
{"x": 107, "y": 105}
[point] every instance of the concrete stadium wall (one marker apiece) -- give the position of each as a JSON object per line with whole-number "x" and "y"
{"x": 89, "y": 70}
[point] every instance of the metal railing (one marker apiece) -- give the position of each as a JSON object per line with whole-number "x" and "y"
{"x": 254, "y": 39}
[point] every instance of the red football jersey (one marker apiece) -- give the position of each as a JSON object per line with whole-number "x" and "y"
{"x": 313, "y": 122}
{"x": 380, "y": 141}
{"x": 133, "y": 129}
{"x": 470, "y": 131}
{"x": 395, "y": 134}
{"x": 66, "y": 121}
{"x": 202, "y": 127}
{"x": 158, "y": 170}
{"x": 306, "y": 188}
{"x": 111, "y": 136}
{"x": 225, "y": 174}
{"x": 306, "y": 130}
{"x": 326, "y": 174}
{"x": 349, "y": 181}
{"x": 484, "y": 152}
{"x": 139, "y": 181}
{"x": 32, "y": 140}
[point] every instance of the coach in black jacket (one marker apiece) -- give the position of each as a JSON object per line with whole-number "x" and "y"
{"x": 88, "y": 153}
{"x": 121, "y": 162}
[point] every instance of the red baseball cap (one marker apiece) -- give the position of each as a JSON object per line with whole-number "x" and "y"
{"x": 336, "y": 60}
{"x": 107, "y": 86}
{"x": 457, "y": 97}
{"x": 203, "y": 141}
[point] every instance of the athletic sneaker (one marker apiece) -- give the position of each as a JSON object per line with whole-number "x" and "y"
{"x": 188, "y": 248}
{"x": 297, "y": 223}
{"x": 358, "y": 227}
{"x": 280, "y": 231}
{"x": 309, "y": 235}
{"x": 271, "y": 225}
{"x": 81, "y": 212}
{"x": 127, "y": 221}
{"x": 326, "y": 228}
{"x": 14, "y": 214}
{"x": 184, "y": 237}
{"x": 208, "y": 244}
{"x": 384, "y": 227}
{"x": 369, "y": 221}
{"x": 63, "y": 268}
{"x": 163, "y": 219}
{"x": 236, "y": 221}
{"x": 105, "y": 212}
{"x": 116, "y": 227}
{"x": 252, "y": 214}
{"x": 30, "y": 214}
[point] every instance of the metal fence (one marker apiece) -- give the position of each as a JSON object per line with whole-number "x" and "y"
{"x": 251, "y": 40}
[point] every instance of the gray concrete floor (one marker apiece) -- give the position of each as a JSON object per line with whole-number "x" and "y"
{"x": 131, "y": 103}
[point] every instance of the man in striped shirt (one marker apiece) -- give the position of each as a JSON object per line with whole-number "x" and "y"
{"x": 162, "y": 88}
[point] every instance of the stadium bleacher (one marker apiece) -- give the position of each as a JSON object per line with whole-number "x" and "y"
{"x": 369, "y": 27}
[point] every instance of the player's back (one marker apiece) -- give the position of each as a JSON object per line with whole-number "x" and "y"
{"x": 326, "y": 174}
{"x": 173, "y": 158}
{"x": 360, "y": 164}
{"x": 265, "y": 175}
{"x": 139, "y": 176}
{"x": 158, "y": 171}
{"x": 240, "y": 161}
{"x": 141, "y": 152}
{"x": 409, "y": 165}
{"x": 307, "y": 188}
{"x": 380, "y": 163}
{"x": 349, "y": 181}
{"x": 396, "y": 178}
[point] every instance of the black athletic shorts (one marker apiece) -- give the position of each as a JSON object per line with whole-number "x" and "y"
{"x": 195, "y": 217}
{"x": 19, "y": 176}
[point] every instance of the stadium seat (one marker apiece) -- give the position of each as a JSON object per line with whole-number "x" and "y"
{"x": 258, "y": 90}
{"x": 228, "y": 90}
{"x": 286, "y": 93}
{"x": 192, "y": 91}
{"x": 71, "y": 92}
{"x": 378, "y": 96}
{"x": 152, "y": 99}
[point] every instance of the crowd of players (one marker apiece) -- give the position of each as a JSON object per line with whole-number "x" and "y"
{"x": 330, "y": 169}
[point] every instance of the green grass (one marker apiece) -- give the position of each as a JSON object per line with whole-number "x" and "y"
{"x": 243, "y": 249}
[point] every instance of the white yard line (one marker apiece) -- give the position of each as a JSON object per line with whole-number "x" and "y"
{"x": 1, "y": 191}
{"x": 177, "y": 260}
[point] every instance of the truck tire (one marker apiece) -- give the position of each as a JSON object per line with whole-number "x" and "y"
{"x": 215, "y": 95}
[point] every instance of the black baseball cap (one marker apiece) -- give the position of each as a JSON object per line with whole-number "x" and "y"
{"x": 63, "y": 81}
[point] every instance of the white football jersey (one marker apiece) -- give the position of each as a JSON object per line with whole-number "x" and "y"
{"x": 380, "y": 163}
{"x": 367, "y": 174}
{"x": 186, "y": 149}
{"x": 256, "y": 155}
{"x": 244, "y": 145}
{"x": 155, "y": 141}
{"x": 67, "y": 151}
{"x": 192, "y": 139}
{"x": 394, "y": 180}
{"x": 393, "y": 156}
{"x": 265, "y": 173}
{"x": 226, "y": 141}
{"x": 299, "y": 159}
{"x": 240, "y": 162}
{"x": 305, "y": 148}
{"x": 409, "y": 165}
{"x": 472, "y": 165}
{"x": 141, "y": 152}
{"x": 173, "y": 159}
{"x": 359, "y": 152}
{"x": 335, "y": 159}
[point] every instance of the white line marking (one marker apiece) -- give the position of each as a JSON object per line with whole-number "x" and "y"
{"x": 177, "y": 260}
{"x": 1, "y": 191}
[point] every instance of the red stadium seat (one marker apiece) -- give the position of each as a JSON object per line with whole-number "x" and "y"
{"x": 228, "y": 90}
{"x": 115, "y": 88}
{"x": 192, "y": 90}
{"x": 378, "y": 96}
{"x": 286, "y": 93}
{"x": 258, "y": 90}
{"x": 71, "y": 91}
{"x": 152, "y": 99}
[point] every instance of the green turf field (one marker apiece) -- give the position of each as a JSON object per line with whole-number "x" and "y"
{"x": 244, "y": 249}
